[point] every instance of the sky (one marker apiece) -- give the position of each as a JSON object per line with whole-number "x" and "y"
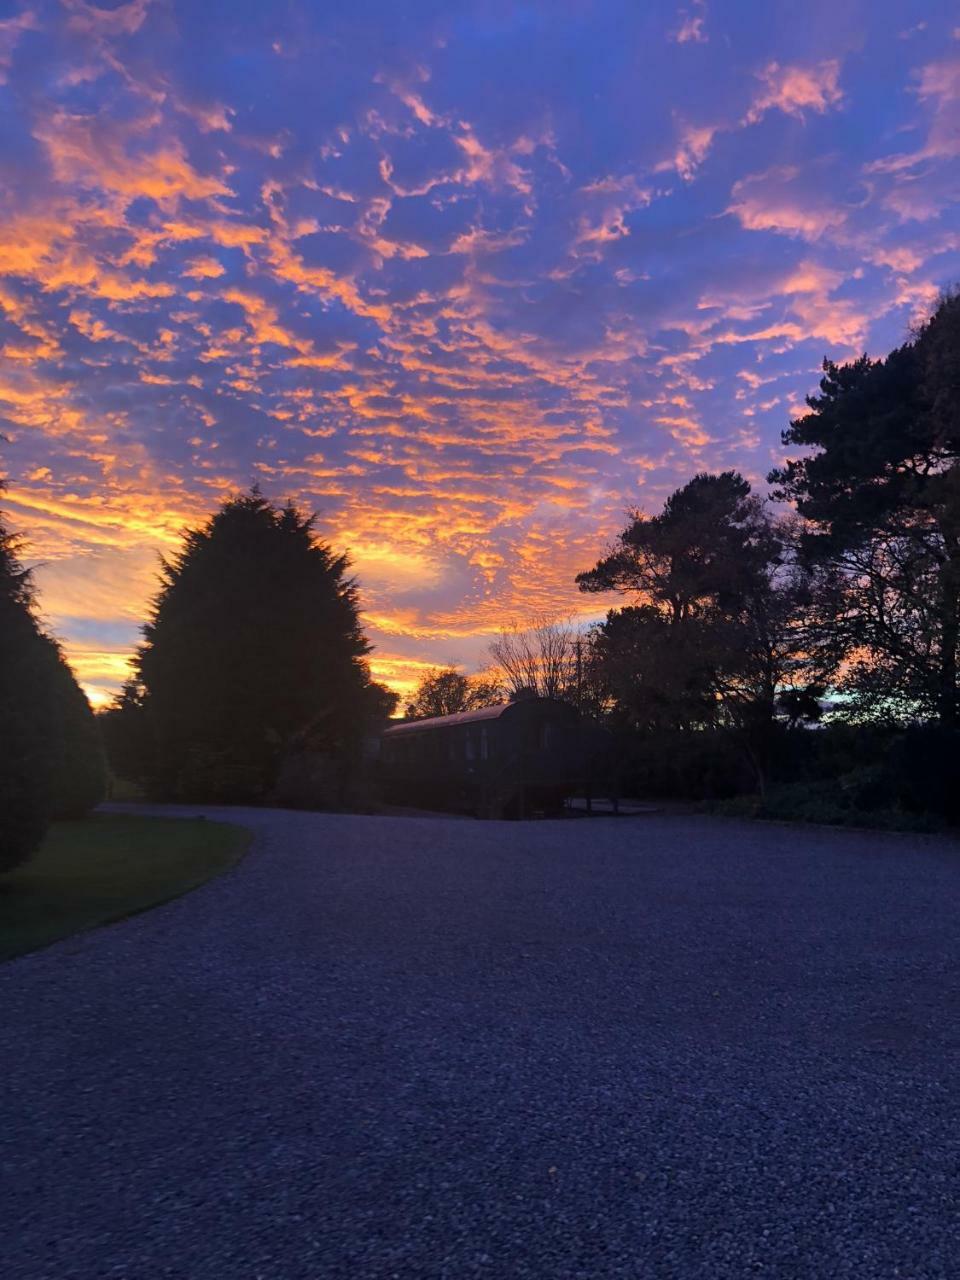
{"x": 471, "y": 280}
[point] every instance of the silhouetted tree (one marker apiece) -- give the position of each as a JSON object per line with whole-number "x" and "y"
{"x": 253, "y": 648}
{"x": 380, "y": 702}
{"x": 51, "y": 764}
{"x": 24, "y": 807}
{"x": 537, "y": 660}
{"x": 881, "y": 489}
{"x": 448, "y": 691}
{"x": 75, "y": 756}
{"x": 126, "y": 735}
{"x": 700, "y": 555}
{"x": 654, "y": 675}
{"x": 719, "y": 631}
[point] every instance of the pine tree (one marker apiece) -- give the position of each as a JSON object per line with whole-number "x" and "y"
{"x": 253, "y": 648}
{"x": 51, "y": 764}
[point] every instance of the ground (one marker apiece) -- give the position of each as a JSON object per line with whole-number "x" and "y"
{"x": 102, "y": 868}
{"x": 659, "y": 1046}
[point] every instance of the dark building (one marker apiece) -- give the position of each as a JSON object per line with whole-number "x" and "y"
{"x": 515, "y": 760}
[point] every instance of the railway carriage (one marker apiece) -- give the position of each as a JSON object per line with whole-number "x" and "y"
{"x": 514, "y": 760}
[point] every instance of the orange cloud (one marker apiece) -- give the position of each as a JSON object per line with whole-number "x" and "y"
{"x": 92, "y": 153}
{"x": 203, "y": 268}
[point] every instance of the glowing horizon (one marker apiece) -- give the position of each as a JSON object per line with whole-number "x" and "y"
{"x": 471, "y": 280}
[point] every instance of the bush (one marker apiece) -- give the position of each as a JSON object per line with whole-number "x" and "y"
{"x": 824, "y": 801}
{"x": 704, "y": 765}
{"x": 866, "y": 787}
{"x": 923, "y": 771}
{"x": 218, "y": 776}
{"x": 309, "y": 780}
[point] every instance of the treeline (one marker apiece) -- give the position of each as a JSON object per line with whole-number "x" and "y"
{"x": 744, "y": 624}
{"x": 747, "y": 624}
{"x": 750, "y": 624}
{"x": 251, "y": 684}
{"x": 51, "y": 761}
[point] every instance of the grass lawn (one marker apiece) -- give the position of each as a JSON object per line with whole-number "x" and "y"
{"x": 104, "y": 868}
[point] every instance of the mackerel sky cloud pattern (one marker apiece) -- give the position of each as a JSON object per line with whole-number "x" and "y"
{"x": 471, "y": 279}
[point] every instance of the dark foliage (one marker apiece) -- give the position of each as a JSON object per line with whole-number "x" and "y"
{"x": 253, "y": 651}
{"x": 677, "y": 764}
{"x": 445, "y": 692}
{"x": 744, "y": 626}
{"x": 51, "y": 765}
{"x": 922, "y": 771}
{"x": 722, "y": 628}
{"x": 24, "y": 797}
{"x": 126, "y": 736}
{"x": 75, "y": 757}
{"x": 879, "y": 482}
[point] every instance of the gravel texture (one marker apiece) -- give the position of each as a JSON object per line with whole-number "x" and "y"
{"x": 656, "y": 1047}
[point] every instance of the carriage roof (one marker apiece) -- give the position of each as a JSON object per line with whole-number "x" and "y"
{"x": 495, "y": 712}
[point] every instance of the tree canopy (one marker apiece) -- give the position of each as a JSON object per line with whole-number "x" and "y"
{"x": 879, "y": 482}
{"x": 718, "y": 629}
{"x": 702, "y": 553}
{"x": 446, "y": 691}
{"x": 253, "y": 647}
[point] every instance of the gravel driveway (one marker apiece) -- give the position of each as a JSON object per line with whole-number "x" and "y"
{"x": 411, "y": 1047}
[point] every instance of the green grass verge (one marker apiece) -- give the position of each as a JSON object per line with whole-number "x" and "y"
{"x": 103, "y": 868}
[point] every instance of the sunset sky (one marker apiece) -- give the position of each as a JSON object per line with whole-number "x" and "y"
{"x": 470, "y": 279}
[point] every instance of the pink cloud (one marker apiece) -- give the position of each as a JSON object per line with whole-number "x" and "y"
{"x": 90, "y": 19}
{"x": 11, "y": 31}
{"x": 692, "y": 149}
{"x": 784, "y": 200}
{"x": 691, "y": 25}
{"x": 795, "y": 89}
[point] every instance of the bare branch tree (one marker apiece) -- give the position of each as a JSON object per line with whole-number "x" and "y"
{"x": 536, "y": 659}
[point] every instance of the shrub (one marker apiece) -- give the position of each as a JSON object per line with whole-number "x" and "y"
{"x": 823, "y": 801}
{"x": 923, "y": 771}
{"x": 309, "y": 780}
{"x": 218, "y": 776}
{"x": 703, "y": 765}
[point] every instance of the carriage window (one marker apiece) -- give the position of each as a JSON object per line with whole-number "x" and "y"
{"x": 484, "y": 748}
{"x": 471, "y": 746}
